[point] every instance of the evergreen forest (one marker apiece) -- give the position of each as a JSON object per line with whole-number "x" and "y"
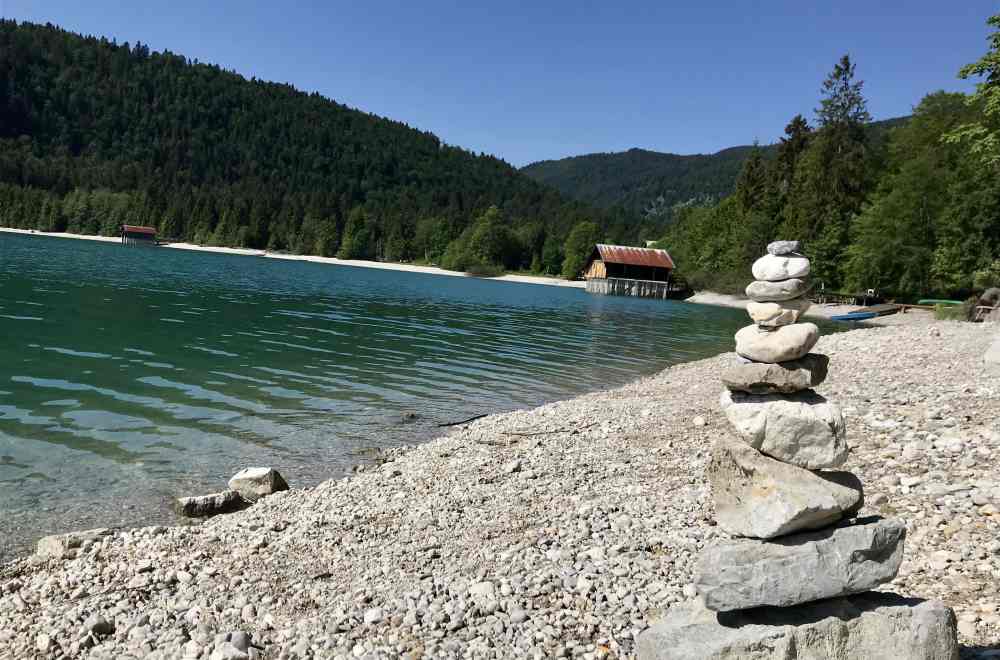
{"x": 916, "y": 214}
{"x": 95, "y": 134}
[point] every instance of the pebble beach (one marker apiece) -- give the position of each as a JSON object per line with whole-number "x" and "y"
{"x": 562, "y": 531}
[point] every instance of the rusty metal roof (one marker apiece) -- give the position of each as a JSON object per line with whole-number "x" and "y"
{"x": 136, "y": 229}
{"x": 633, "y": 256}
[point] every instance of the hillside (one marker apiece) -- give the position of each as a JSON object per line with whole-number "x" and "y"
{"x": 94, "y": 133}
{"x": 650, "y": 183}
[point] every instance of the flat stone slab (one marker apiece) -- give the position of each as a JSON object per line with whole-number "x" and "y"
{"x": 803, "y": 428}
{"x": 257, "y": 482}
{"x": 800, "y": 568}
{"x": 870, "y": 626}
{"x": 201, "y": 506}
{"x": 778, "y": 378}
{"x": 62, "y": 546}
{"x": 774, "y": 314}
{"x": 762, "y": 291}
{"x": 760, "y": 497}
{"x": 784, "y": 247}
{"x": 774, "y": 268}
{"x": 783, "y": 344}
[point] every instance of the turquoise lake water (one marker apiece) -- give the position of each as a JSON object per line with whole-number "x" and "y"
{"x": 129, "y": 376}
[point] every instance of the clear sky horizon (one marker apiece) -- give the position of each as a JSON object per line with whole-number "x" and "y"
{"x": 545, "y": 80}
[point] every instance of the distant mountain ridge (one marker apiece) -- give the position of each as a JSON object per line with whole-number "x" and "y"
{"x": 650, "y": 183}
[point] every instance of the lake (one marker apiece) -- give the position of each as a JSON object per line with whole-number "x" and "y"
{"x": 129, "y": 376}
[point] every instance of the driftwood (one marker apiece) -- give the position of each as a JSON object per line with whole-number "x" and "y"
{"x": 464, "y": 421}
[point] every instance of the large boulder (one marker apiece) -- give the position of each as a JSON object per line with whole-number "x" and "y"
{"x": 776, "y": 291}
{"x": 763, "y": 498}
{"x": 257, "y": 482}
{"x": 779, "y": 248}
{"x": 202, "y": 506}
{"x": 803, "y": 428}
{"x": 867, "y": 626}
{"x": 800, "y": 568}
{"x": 788, "y": 342}
{"x": 779, "y": 378}
{"x": 774, "y": 314}
{"x": 773, "y": 268}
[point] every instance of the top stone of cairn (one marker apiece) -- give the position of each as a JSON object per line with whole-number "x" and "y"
{"x": 779, "y": 248}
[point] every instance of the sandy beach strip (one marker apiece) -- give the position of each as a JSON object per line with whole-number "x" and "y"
{"x": 332, "y": 261}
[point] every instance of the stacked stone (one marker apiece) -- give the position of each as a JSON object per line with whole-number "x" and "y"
{"x": 798, "y": 583}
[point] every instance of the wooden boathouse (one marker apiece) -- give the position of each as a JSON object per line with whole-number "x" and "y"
{"x": 136, "y": 235}
{"x": 618, "y": 270}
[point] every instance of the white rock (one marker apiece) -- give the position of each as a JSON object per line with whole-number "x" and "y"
{"x": 760, "y": 497}
{"x": 257, "y": 482}
{"x": 803, "y": 428}
{"x": 783, "y": 344}
{"x": 773, "y": 268}
{"x": 763, "y": 291}
{"x": 774, "y": 314}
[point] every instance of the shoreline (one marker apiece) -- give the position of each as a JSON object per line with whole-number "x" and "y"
{"x": 541, "y": 531}
{"x": 331, "y": 261}
{"x": 816, "y": 311}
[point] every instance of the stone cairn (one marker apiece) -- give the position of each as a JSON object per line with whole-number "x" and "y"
{"x": 797, "y": 584}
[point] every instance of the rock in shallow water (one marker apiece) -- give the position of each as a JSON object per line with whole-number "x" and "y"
{"x": 201, "y": 506}
{"x": 789, "y": 342}
{"x": 772, "y": 268}
{"x": 762, "y": 498}
{"x": 776, "y": 291}
{"x": 257, "y": 482}
{"x": 784, "y": 247}
{"x": 800, "y": 568}
{"x": 871, "y": 625}
{"x": 779, "y": 378}
{"x": 803, "y": 429}
{"x": 774, "y": 314}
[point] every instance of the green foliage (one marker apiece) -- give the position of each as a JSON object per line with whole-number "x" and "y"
{"x": 987, "y": 277}
{"x": 488, "y": 246}
{"x": 579, "y": 244}
{"x": 94, "y": 133}
{"x": 983, "y": 134}
{"x": 953, "y": 312}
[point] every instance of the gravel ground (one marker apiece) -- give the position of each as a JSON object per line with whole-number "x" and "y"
{"x": 555, "y": 532}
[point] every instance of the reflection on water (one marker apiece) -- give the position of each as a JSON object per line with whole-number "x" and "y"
{"x": 130, "y": 376}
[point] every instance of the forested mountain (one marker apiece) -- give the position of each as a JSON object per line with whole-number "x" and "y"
{"x": 94, "y": 134}
{"x": 650, "y": 184}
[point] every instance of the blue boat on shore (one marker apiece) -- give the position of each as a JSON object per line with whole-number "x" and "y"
{"x": 854, "y": 316}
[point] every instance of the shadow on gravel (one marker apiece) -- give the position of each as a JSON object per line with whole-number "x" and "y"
{"x": 979, "y": 652}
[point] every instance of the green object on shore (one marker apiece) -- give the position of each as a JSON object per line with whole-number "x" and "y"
{"x": 938, "y": 301}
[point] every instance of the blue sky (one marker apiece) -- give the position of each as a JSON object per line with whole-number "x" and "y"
{"x": 545, "y": 79}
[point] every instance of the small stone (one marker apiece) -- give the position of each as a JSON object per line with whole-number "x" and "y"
{"x": 698, "y": 421}
{"x": 483, "y": 590}
{"x": 780, "y": 378}
{"x": 43, "y": 642}
{"x": 868, "y": 625}
{"x": 512, "y": 467}
{"x": 796, "y": 569}
{"x": 518, "y": 616}
{"x": 761, "y": 497}
{"x": 374, "y": 615}
{"x": 61, "y": 546}
{"x": 774, "y": 314}
{"x": 779, "y": 248}
{"x": 98, "y": 626}
{"x": 774, "y": 268}
{"x": 802, "y": 429}
{"x": 257, "y": 482}
{"x": 761, "y": 291}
